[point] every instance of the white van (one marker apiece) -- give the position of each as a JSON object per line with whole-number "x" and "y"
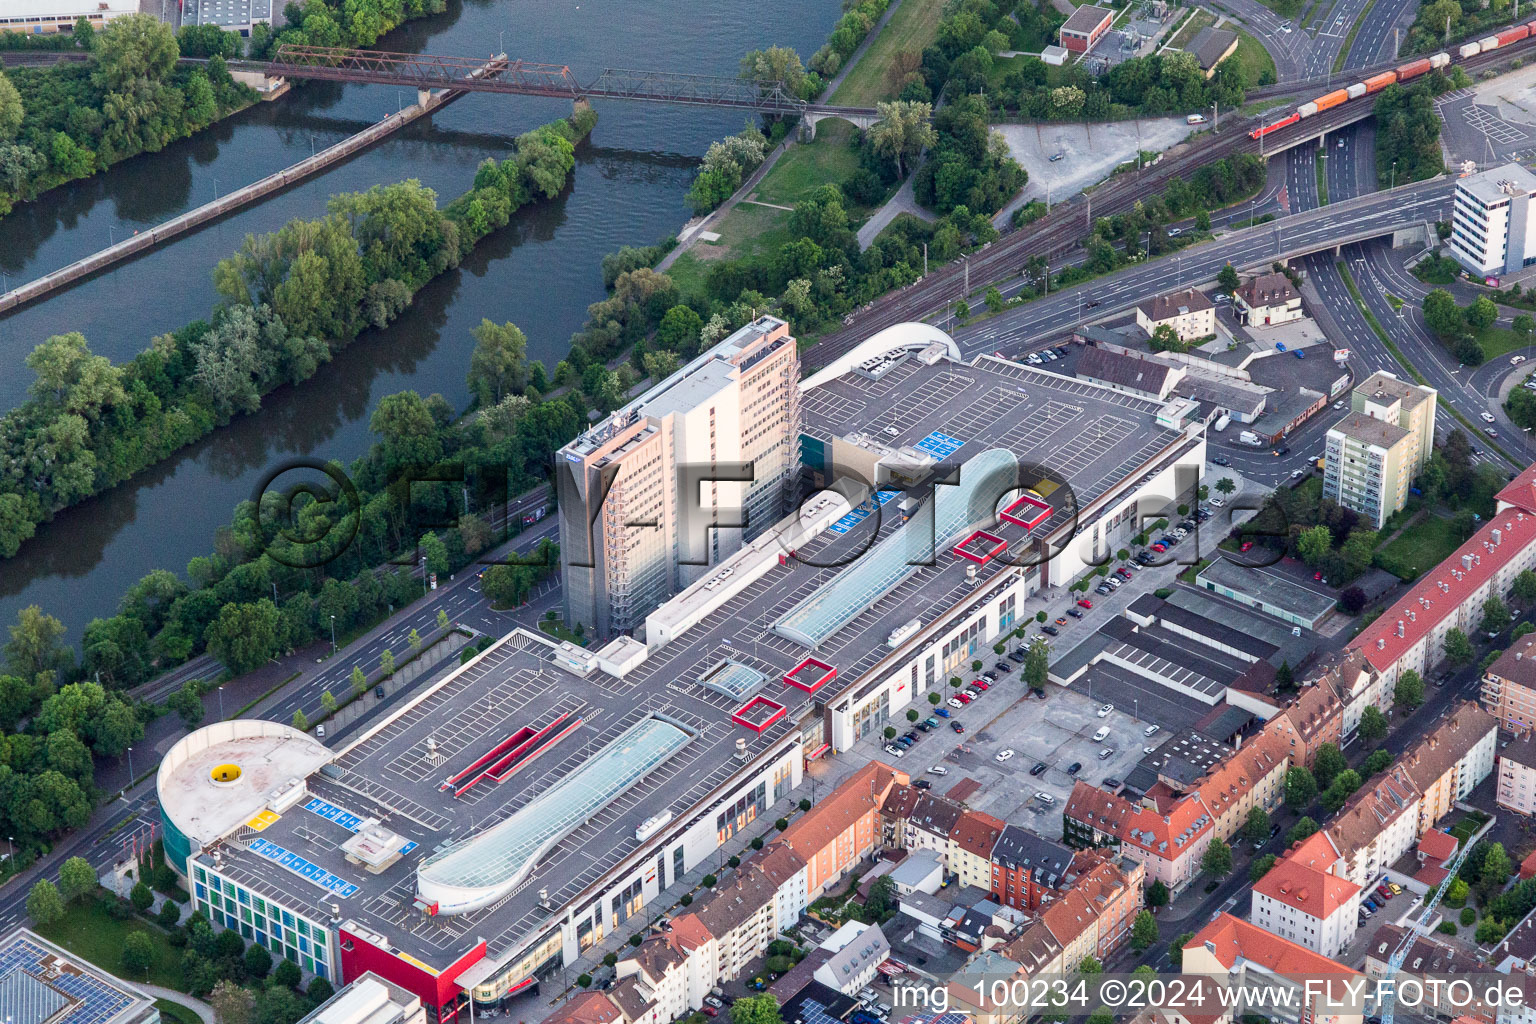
{"x": 1100, "y": 736}
{"x": 1195, "y": 119}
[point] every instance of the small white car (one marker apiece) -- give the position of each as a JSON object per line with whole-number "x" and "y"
{"x": 1298, "y": 473}
{"x": 1044, "y": 797}
{"x": 1151, "y": 730}
{"x": 894, "y": 750}
{"x": 1148, "y": 750}
{"x": 1516, "y": 360}
{"x": 955, "y": 702}
{"x": 1105, "y": 709}
{"x": 1218, "y": 502}
{"x": 1004, "y": 755}
{"x": 938, "y": 769}
{"x": 1487, "y": 417}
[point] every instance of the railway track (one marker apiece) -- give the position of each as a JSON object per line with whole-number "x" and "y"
{"x": 1069, "y": 222}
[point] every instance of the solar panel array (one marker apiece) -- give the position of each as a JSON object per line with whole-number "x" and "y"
{"x": 97, "y": 1001}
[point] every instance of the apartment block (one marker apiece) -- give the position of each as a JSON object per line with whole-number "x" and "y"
{"x": 1028, "y": 869}
{"x": 970, "y": 847}
{"x": 1516, "y": 788}
{"x": 679, "y": 478}
{"x": 1448, "y": 763}
{"x": 1509, "y": 687}
{"x": 1411, "y": 633}
{"x": 1493, "y": 223}
{"x": 1387, "y": 397}
{"x": 1239, "y": 955}
{"x": 1304, "y": 900}
{"x": 1366, "y": 466}
{"x": 1377, "y": 825}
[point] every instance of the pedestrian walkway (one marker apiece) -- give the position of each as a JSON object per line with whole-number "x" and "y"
{"x": 170, "y": 995}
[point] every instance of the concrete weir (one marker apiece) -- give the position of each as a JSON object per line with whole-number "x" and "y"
{"x": 142, "y": 241}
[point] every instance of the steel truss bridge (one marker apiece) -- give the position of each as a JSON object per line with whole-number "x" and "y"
{"x": 499, "y": 74}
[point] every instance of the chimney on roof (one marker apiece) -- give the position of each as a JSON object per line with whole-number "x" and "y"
{"x": 1399, "y": 627}
{"x": 1497, "y": 536}
{"x": 1466, "y": 561}
{"x": 1381, "y": 644}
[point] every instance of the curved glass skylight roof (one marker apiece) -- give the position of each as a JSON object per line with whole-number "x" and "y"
{"x": 480, "y": 870}
{"x": 983, "y": 481}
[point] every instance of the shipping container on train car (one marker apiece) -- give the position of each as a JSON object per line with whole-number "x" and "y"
{"x": 1376, "y": 83}
{"x": 1355, "y": 91}
{"x": 1469, "y": 50}
{"x": 1488, "y": 44}
{"x": 1307, "y": 109}
{"x": 1328, "y": 101}
{"x": 1413, "y": 69}
{"x": 1513, "y": 35}
{"x": 1440, "y": 60}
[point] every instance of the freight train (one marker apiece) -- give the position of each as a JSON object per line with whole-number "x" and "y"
{"x": 1376, "y": 83}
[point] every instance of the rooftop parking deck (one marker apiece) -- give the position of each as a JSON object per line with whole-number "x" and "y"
{"x": 714, "y": 682}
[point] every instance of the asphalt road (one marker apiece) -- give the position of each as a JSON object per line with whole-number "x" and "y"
{"x": 460, "y": 598}
{"x": 1035, "y": 323}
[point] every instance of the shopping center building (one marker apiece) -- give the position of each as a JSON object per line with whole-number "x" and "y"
{"x": 536, "y": 800}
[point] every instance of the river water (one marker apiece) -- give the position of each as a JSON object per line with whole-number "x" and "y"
{"x": 541, "y": 272}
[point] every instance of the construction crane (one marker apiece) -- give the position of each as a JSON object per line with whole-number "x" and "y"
{"x": 1415, "y": 931}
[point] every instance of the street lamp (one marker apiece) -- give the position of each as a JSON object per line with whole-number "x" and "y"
{"x": 130, "y": 769}
{"x": 221, "y": 702}
{"x": 333, "y": 634}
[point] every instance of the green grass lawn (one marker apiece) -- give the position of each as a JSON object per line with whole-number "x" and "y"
{"x": 1415, "y": 551}
{"x": 87, "y": 930}
{"x": 913, "y": 27}
{"x": 746, "y": 230}
{"x": 177, "y": 1013}
{"x": 1499, "y": 341}
{"x": 1255, "y": 60}
{"x": 1199, "y": 20}
{"x": 805, "y": 167}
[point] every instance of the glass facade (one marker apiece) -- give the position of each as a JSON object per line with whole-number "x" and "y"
{"x": 259, "y": 920}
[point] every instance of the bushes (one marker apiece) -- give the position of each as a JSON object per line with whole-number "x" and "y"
{"x": 726, "y": 164}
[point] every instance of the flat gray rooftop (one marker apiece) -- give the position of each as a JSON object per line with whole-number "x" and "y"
{"x": 1268, "y": 586}
{"x": 235, "y": 14}
{"x": 1087, "y": 435}
{"x": 1093, "y": 438}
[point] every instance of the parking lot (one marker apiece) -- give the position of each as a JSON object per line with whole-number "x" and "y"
{"x": 1058, "y": 732}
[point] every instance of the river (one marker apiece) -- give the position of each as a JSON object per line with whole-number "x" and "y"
{"x": 541, "y": 272}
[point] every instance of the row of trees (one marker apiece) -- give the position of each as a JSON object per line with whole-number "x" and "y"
{"x": 291, "y": 300}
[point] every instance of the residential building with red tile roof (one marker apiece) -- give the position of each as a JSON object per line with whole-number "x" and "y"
{"x": 588, "y": 1008}
{"x": 1313, "y": 717}
{"x": 1243, "y": 955}
{"x": 1114, "y": 886}
{"x": 929, "y": 825}
{"x": 1253, "y": 776}
{"x": 1432, "y": 957}
{"x": 970, "y": 847}
{"x": 1170, "y": 844}
{"x": 1519, "y": 493}
{"x": 1302, "y": 899}
{"x": 842, "y": 828}
{"x": 1094, "y": 816}
{"x": 1411, "y": 634}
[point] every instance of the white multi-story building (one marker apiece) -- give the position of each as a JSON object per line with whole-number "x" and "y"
{"x": 1301, "y": 899}
{"x": 1189, "y": 313}
{"x": 679, "y": 478}
{"x": 1380, "y": 445}
{"x": 1493, "y": 225}
{"x": 45, "y": 17}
